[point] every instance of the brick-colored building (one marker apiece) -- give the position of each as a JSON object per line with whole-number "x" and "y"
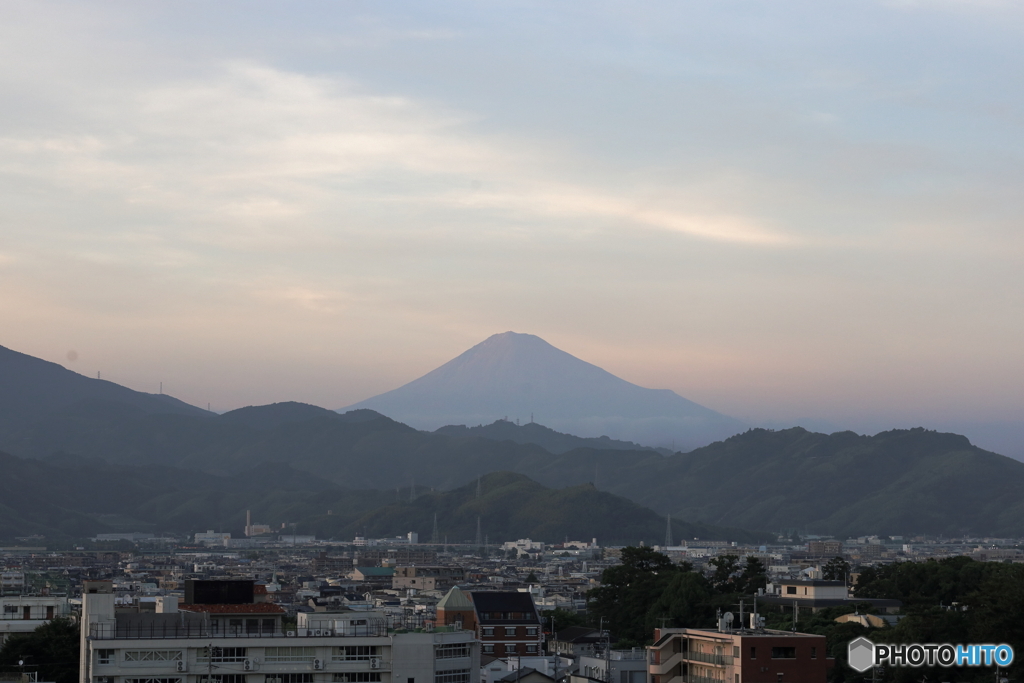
{"x": 687, "y": 655}
{"x": 506, "y": 622}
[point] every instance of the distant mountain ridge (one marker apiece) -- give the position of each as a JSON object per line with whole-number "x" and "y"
{"x": 513, "y": 375}
{"x": 545, "y": 437}
{"x": 896, "y": 482}
{"x": 71, "y": 497}
{"x": 32, "y": 390}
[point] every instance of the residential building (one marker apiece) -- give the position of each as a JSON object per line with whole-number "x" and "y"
{"x": 24, "y": 613}
{"x": 506, "y": 622}
{"x": 427, "y": 578}
{"x": 176, "y": 644}
{"x": 575, "y": 641}
{"x": 825, "y": 548}
{"x": 615, "y": 666}
{"x": 817, "y": 594}
{"x": 682, "y": 655}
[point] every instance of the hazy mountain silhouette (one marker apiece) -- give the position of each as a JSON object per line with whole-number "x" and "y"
{"x": 545, "y": 437}
{"x": 32, "y": 389}
{"x": 514, "y": 376}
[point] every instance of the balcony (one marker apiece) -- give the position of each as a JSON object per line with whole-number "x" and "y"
{"x": 690, "y": 678}
{"x": 708, "y": 658}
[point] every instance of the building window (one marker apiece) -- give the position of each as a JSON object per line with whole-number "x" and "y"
{"x": 453, "y": 676}
{"x": 783, "y": 653}
{"x": 222, "y": 654}
{"x": 814, "y": 653}
{"x": 289, "y": 654}
{"x": 10, "y": 609}
{"x": 531, "y": 649}
{"x": 510, "y": 631}
{"x": 269, "y": 625}
{"x": 105, "y": 656}
{"x": 488, "y": 649}
{"x": 531, "y": 630}
{"x": 355, "y": 653}
{"x": 753, "y": 653}
{"x": 295, "y": 678}
{"x": 805, "y": 590}
{"x": 790, "y": 590}
{"x": 488, "y": 630}
{"x": 451, "y": 651}
{"x": 152, "y": 656}
{"x": 510, "y": 648}
{"x": 357, "y": 677}
{"x": 736, "y": 651}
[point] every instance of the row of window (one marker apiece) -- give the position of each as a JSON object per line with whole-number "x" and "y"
{"x": 510, "y": 631}
{"x": 452, "y": 676}
{"x": 346, "y": 653}
{"x": 782, "y": 653}
{"x": 451, "y": 651}
{"x": 352, "y": 677}
{"x": 489, "y": 649}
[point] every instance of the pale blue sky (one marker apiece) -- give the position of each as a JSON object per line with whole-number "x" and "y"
{"x": 777, "y": 209}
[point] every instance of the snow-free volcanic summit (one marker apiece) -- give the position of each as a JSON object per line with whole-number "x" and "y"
{"x": 518, "y": 375}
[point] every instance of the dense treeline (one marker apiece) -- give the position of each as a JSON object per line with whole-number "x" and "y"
{"x": 955, "y": 600}
{"x": 648, "y": 590}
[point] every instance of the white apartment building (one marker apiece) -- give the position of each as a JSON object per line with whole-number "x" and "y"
{"x": 24, "y": 613}
{"x": 245, "y": 643}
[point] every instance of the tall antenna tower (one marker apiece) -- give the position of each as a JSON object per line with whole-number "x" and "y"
{"x": 668, "y": 531}
{"x": 433, "y": 536}
{"x": 479, "y": 537}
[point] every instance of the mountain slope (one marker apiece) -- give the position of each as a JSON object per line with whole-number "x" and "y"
{"x": 32, "y": 389}
{"x": 73, "y": 497}
{"x": 538, "y": 434}
{"x": 512, "y": 506}
{"x": 519, "y": 375}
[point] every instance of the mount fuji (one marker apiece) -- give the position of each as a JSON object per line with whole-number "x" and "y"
{"x": 516, "y": 376}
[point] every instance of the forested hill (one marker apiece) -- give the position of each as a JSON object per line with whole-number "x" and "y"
{"x": 74, "y": 497}
{"x": 545, "y": 437}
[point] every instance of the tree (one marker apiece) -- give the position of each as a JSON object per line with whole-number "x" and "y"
{"x": 725, "y": 566}
{"x": 52, "y": 650}
{"x": 629, "y": 590}
{"x": 835, "y": 569}
{"x": 563, "y": 618}
{"x": 754, "y": 575}
{"x": 684, "y": 603}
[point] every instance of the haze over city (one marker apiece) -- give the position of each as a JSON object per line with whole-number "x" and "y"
{"x": 790, "y": 213}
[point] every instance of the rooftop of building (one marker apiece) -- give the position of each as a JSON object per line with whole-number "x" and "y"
{"x": 249, "y": 608}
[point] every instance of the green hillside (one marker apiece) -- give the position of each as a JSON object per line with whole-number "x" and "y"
{"x": 74, "y": 497}
{"x": 512, "y": 506}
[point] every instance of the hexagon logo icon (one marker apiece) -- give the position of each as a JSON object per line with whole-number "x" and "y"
{"x": 861, "y": 654}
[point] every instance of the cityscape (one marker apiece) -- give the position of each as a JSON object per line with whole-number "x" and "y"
{"x": 511, "y": 342}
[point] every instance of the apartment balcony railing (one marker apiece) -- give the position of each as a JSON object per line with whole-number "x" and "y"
{"x": 708, "y": 658}
{"x": 690, "y": 678}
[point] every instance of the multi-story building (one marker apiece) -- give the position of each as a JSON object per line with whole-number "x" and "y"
{"x": 205, "y": 642}
{"x": 817, "y": 594}
{"x": 506, "y": 622}
{"x": 427, "y": 578}
{"x": 824, "y": 548}
{"x": 687, "y": 655}
{"x": 24, "y": 613}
